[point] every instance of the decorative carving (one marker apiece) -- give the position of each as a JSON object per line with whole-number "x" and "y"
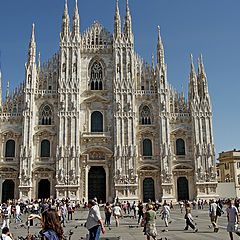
{"x": 97, "y": 155}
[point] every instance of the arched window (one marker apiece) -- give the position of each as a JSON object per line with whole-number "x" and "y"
{"x": 96, "y": 76}
{"x": 145, "y": 116}
{"x": 46, "y": 115}
{"x": 180, "y": 146}
{"x": 45, "y": 148}
{"x": 10, "y": 148}
{"x": 96, "y": 122}
{"x": 147, "y": 147}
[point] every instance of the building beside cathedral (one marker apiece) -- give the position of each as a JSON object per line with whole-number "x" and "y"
{"x": 98, "y": 121}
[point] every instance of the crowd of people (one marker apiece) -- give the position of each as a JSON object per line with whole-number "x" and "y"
{"x": 53, "y": 215}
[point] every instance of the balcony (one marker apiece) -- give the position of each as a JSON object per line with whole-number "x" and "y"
{"x": 92, "y": 137}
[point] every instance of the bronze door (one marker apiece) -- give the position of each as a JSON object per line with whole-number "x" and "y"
{"x": 7, "y": 190}
{"x": 182, "y": 187}
{"x": 97, "y": 184}
{"x": 43, "y": 189}
{"x": 148, "y": 190}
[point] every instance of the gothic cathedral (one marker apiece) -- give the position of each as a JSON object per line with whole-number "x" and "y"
{"x": 98, "y": 121}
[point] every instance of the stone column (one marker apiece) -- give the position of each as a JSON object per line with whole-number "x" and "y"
{"x": 87, "y": 168}
{"x": 106, "y": 168}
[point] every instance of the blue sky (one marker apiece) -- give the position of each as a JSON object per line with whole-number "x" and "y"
{"x": 210, "y": 27}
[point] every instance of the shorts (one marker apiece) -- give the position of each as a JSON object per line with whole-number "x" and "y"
{"x": 232, "y": 227}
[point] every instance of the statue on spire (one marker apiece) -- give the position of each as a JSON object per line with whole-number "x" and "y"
{"x": 117, "y": 22}
{"x": 65, "y": 22}
{"x": 76, "y": 24}
{"x": 160, "y": 50}
{"x": 32, "y": 47}
{"x": 127, "y": 28}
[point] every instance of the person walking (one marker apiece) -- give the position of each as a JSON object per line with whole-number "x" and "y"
{"x": 64, "y": 213}
{"x": 108, "y": 213}
{"x": 134, "y": 208}
{"x": 117, "y": 213}
{"x": 189, "y": 218}
{"x": 94, "y": 222}
{"x": 18, "y": 212}
{"x": 150, "y": 227}
{"x": 165, "y": 214}
{"x": 6, "y": 213}
{"x": 233, "y": 219}
{"x": 213, "y": 214}
{"x": 140, "y": 211}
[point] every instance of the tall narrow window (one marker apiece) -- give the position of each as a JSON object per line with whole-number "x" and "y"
{"x": 96, "y": 76}
{"x": 10, "y": 148}
{"x": 45, "y": 148}
{"x": 145, "y": 115}
{"x": 180, "y": 147}
{"x": 96, "y": 122}
{"x": 147, "y": 147}
{"x": 46, "y": 115}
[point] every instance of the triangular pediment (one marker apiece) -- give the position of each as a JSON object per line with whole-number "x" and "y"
{"x": 179, "y": 130}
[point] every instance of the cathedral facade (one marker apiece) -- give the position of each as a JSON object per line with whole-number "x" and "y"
{"x": 98, "y": 121}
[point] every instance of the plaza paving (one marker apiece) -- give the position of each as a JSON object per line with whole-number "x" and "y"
{"x": 129, "y": 229}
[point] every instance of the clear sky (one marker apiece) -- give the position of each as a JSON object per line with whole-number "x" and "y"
{"x": 210, "y": 27}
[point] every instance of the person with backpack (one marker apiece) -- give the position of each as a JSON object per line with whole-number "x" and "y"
{"x": 213, "y": 214}
{"x": 108, "y": 213}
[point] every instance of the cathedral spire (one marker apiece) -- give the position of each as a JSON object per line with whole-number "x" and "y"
{"x": 32, "y": 48}
{"x": 127, "y": 28}
{"x": 202, "y": 65}
{"x": 39, "y": 62}
{"x": 160, "y": 50}
{"x": 7, "y": 94}
{"x": 192, "y": 65}
{"x": 76, "y": 24}
{"x": 65, "y": 21}
{"x": 117, "y": 22}
{"x": 193, "y": 86}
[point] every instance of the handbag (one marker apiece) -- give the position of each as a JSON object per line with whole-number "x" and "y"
{"x": 143, "y": 223}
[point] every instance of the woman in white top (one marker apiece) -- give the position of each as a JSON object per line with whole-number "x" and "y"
{"x": 117, "y": 212}
{"x": 165, "y": 213}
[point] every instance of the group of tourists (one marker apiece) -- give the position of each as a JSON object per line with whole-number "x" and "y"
{"x": 53, "y": 215}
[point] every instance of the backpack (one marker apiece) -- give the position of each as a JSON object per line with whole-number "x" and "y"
{"x": 109, "y": 210}
{"x": 5, "y": 212}
{"x": 219, "y": 211}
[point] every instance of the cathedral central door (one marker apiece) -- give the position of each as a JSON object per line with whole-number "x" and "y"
{"x": 148, "y": 190}
{"x": 182, "y": 187}
{"x": 7, "y": 190}
{"x": 97, "y": 184}
{"x": 43, "y": 189}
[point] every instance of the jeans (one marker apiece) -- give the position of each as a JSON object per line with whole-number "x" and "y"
{"x": 18, "y": 218}
{"x": 64, "y": 219}
{"x": 5, "y": 223}
{"x": 94, "y": 233}
{"x": 189, "y": 224}
{"x": 108, "y": 218}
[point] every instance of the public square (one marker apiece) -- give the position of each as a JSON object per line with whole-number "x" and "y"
{"x": 130, "y": 230}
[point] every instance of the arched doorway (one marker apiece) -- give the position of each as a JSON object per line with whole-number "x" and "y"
{"x": 97, "y": 184}
{"x": 7, "y": 190}
{"x": 182, "y": 188}
{"x": 44, "y": 189}
{"x": 148, "y": 189}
